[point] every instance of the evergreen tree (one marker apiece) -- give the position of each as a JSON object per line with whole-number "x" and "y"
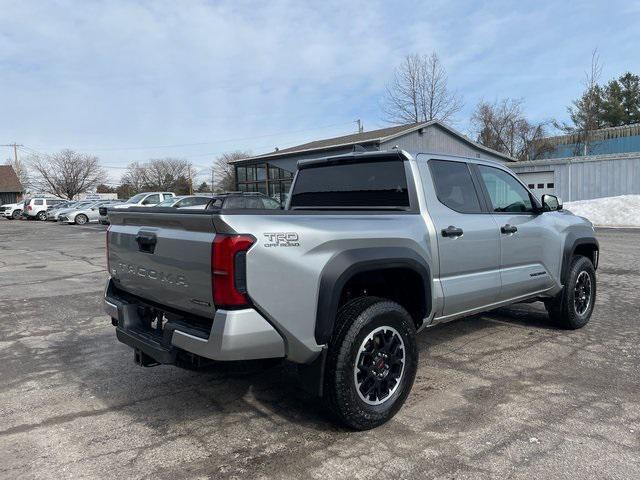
{"x": 621, "y": 101}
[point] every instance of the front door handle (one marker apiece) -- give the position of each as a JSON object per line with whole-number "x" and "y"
{"x": 507, "y": 229}
{"x": 452, "y": 231}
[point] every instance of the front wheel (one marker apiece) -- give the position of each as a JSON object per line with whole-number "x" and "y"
{"x": 371, "y": 362}
{"x": 572, "y": 308}
{"x": 81, "y": 219}
{"x": 16, "y": 214}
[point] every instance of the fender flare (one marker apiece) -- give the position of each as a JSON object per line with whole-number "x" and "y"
{"x": 343, "y": 266}
{"x": 571, "y": 243}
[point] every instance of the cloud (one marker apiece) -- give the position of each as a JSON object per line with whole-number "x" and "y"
{"x": 102, "y": 76}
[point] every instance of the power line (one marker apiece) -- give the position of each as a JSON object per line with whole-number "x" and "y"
{"x": 212, "y": 142}
{"x": 15, "y": 149}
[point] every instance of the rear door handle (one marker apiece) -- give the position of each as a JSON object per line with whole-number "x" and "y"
{"x": 452, "y": 231}
{"x": 507, "y": 229}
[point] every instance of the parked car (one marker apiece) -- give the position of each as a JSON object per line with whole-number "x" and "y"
{"x": 81, "y": 214}
{"x": 103, "y": 217}
{"x": 54, "y": 211}
{"x": 371, "y": 248}
{"x": 242, "y": 200}
{"x": 196, "y": 202}
{"x": 63, "y": 204}
{"x": 37, "y": 207}
{"x": 146, "y": 199}
{"x": 12, "y": 211}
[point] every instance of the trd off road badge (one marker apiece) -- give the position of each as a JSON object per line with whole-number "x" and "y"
{"x": 282, "y": 239}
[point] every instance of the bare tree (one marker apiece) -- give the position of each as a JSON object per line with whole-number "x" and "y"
{"x": 162, "y": 174}
{"x": 224, "y": 170}
{"x": 503, "y": 126}
{"x": 132, "y": 181}
{"x": 419, "y": 92}
{"x": 66, "y": 174}
{"x": 166, "y": 174}
{"x": 586, "y": 112}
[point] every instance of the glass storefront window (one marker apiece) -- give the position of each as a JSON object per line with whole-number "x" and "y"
{"x": 266, "y": 179}
{"x": 274, "y": 173}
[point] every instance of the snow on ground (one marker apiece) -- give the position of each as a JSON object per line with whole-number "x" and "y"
{"x": 622, "y": 211}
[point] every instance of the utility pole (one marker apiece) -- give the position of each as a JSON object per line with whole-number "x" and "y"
{"x": 190, "y": 180}
{"x": 15, "y": 150}
{"x": 360, "y": 127}
{"x": 212, "y": 177}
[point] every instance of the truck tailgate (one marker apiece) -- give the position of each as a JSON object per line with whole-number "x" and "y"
{"x": 163, "y": 257}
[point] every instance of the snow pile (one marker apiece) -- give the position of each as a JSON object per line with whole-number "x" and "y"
{"x": 622, "y": 211}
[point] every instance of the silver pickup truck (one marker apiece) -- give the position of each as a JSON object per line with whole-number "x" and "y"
{"x": 370, "y": 249}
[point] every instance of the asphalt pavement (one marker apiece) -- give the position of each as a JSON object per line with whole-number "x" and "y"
{"x": 501, "y": 395}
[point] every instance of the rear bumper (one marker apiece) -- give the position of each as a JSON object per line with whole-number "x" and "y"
{"x": 234, "y": 335}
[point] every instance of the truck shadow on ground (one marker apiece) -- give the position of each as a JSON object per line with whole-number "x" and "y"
{"x": 219, "y": 396}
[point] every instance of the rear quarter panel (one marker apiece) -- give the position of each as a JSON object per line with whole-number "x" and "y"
{"x": 285, "y": 265}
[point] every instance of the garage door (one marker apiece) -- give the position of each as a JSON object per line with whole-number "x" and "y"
{"x": 539, "y": 182}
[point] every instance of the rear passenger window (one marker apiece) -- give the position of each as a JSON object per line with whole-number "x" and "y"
{"x": 454, "y": 186}
{"x": 367, "y": 184}
{"x": 38, "y": 202}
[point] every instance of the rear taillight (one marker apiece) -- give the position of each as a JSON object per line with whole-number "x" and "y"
{"x": 29, "y": 208}
{"x": 108, "y": 235}
{"x": 228, "y": 271}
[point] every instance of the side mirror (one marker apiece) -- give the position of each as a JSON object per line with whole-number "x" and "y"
{"x": 551, "y": 203}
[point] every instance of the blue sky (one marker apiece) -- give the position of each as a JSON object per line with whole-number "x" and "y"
{"x": 122, "y": 79}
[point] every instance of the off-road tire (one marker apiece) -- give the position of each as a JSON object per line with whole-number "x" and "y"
{"x": 355, "y": 321}
{"x": 562, "y": 309}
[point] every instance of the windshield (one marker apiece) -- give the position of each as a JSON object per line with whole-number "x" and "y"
{"x": 136, "y": 198}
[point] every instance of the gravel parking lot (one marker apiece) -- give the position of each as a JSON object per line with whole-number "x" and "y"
{"x": 501, "y": 395}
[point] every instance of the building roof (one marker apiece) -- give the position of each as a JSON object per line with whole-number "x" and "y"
{"x": 9, "y": 181}
{"x": 576, "y": 159}
{"x": 597, "y": 135}
{"x": 373, "y": 136}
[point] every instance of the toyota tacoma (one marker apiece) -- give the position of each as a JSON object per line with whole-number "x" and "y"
{"x": 371, "y": 248}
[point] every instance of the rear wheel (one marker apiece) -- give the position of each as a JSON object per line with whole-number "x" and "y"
{"x": 81, "y": 219}
{"x": 371, "y": 362}
{"x": 572, "y": 308}
{"x": 16, "y": 214}
{"x": 42, "y": 216}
